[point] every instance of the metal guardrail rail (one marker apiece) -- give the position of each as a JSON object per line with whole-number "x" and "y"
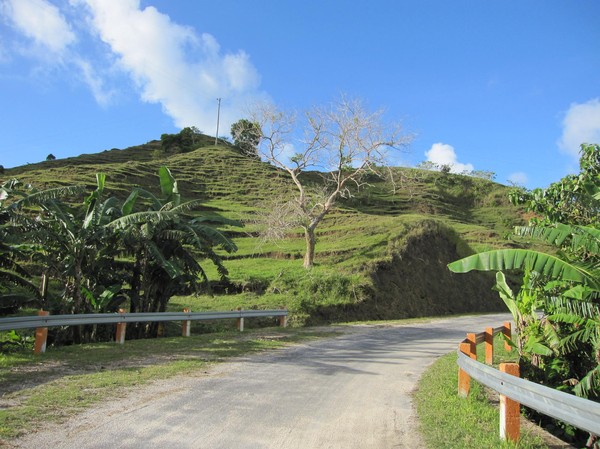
{"x": 29, "y": 322}
{"x": 579, "y": 412}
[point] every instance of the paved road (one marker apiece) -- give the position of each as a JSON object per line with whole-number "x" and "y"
{"x": 347, "y": 392}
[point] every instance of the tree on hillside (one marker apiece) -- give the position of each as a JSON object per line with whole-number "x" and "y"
{"x": 182, "y": 142}
{"x": 343, "y": 140}
{"x": 50, "y": 157}
{"x": 575, "y": 199}
{"x": 246, "y": 136}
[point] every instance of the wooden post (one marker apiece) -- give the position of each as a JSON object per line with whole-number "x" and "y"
{"x": 240, "y": 322}
{"x": 186, "y": 325}
{"x": 283, "y": 320}
{"x": 41, "y": 336}
{"x": 507, "y": 332}
{"x": 121, "y": 327}
{"x": 489, "y": 345}
{"x": 472, "y": 345}
{"x": 464, "y": 380}
{"x": 510, "y": 411}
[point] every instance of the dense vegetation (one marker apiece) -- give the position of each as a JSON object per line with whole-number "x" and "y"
{"x": 557, "y": 307}
{"x": 382, "y": 252}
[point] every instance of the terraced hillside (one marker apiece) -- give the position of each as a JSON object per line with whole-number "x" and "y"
{"x": 380, "y": 254}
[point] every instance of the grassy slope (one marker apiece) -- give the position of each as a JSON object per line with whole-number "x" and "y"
{"x": 379, "y": 254}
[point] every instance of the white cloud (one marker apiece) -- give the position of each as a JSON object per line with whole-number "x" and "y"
{"x": 518, "y": 178}
{"x": 99, "y": 42}
{"x": 444, "y": 154}
{"x": 95, "y": 82}
{"x": 173, "y": 65}
{"x": 581, "y": 124}
{"x": 40, "y": 21}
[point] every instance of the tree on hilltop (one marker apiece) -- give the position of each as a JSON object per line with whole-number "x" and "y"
{"x": 246, "y": 136}
{"x": 182, "y": 142}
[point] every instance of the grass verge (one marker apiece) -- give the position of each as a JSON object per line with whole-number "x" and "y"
{"x": 37, "y": 390}
{"x": 448, "y": 421}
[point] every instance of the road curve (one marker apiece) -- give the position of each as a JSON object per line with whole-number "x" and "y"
{"x": 351, "y": 391}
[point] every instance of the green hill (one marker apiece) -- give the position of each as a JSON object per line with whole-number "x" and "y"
{"x": 379, "y": 254}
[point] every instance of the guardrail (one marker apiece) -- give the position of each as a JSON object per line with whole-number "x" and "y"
{"x": 43, "y": 321}
{"x": 514, "y": 391}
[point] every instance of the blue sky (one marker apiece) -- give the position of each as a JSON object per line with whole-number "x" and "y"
{"x": 507, "y": 86}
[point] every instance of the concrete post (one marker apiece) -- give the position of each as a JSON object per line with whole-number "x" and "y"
{"x": 186, "y": 325}
{"x": 283, "y": 321}
{"x": 240, "y": 321}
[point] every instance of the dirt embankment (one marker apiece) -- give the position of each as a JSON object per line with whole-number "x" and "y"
{"x": 417, "y": 282}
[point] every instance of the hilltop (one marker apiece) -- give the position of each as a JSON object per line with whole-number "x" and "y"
{"x": 380, "y": 254}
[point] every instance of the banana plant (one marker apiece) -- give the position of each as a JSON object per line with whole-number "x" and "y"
{"x": 555, "y": 311}
{"x": 165, "y": 242}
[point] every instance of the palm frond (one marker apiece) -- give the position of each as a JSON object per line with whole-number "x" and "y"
{"x": 589, "y": 384}
{"x": 510, "y": 259}
{"x": 217, "y": 219}
{"x": 139, "y": 218}
{"x": 43, "y": 196}
{"x": 14, "y": 278}
{"x": 208, "y": 236}
{"x": 171, "y": 269}
{"x": 574, "y": 307}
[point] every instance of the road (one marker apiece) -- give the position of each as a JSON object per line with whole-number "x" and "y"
{"x": 352, "y": 391}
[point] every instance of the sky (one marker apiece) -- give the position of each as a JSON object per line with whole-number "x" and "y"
{"x": 507, "y": 86}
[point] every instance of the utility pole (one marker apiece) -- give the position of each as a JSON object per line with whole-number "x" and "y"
{"x": 218, "y": 117}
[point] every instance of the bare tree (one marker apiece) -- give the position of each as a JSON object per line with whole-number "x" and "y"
{"x": 343, "y": 141}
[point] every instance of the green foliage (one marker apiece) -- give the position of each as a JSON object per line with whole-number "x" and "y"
{"x": 186, "y": 140}
{"x": 575, "y": 199}
{"x": 246, "y": 136}
{"x": 105, "y": 252}
{"x": 447, "y": 168}
{"x": 557, "y": 309}
{"x": 13, "y": 341}
{"x": 353, "y": 241}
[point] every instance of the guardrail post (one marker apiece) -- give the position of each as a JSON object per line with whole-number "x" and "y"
{"x": 41, "y": 336}
{"x": 464, "y": 380}
{"x": 472, "y": 340}
{"x": 186, "y": 325}
{"x": 283, "y": 320}
{"x": 489, "y": 345}
{"x": 507, "y": 332}
{"x": 121, "y": 327}
{"x": 510, "y": 411}
{"x": 240, "y": 321}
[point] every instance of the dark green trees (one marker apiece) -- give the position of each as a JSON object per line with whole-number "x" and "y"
{"x": 103, "y": 253}
{"x": 246, "y": 136}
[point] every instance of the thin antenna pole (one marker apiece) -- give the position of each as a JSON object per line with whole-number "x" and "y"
{"x": 218, "y": 117}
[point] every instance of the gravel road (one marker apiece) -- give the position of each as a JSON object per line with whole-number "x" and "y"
{"x": 352, "y": 391}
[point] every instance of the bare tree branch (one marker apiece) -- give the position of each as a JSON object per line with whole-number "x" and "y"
{"x": 343, "y": 140}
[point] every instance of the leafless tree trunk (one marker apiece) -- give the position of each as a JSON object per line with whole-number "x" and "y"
{"x": 343, "y": 140}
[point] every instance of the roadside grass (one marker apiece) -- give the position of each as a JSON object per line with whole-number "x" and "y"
{"x": 37, "y": 390}
{"x": 448, "y": 421}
